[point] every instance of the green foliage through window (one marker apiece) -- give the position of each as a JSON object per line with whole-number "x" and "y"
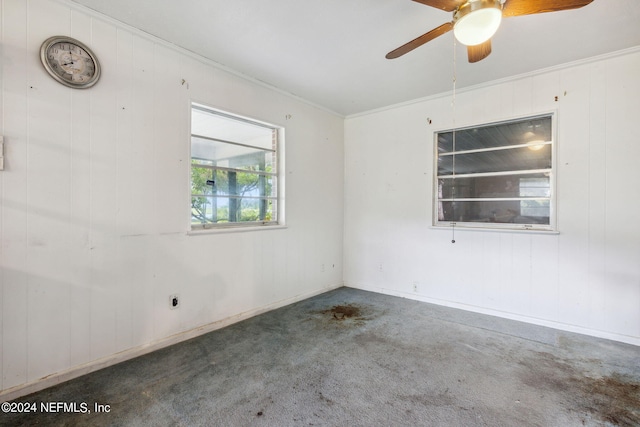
{"x": 233, "y": 170}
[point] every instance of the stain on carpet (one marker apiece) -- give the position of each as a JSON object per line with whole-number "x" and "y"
{"x": 342, "y": 312}
{"x": 613, "y": 399}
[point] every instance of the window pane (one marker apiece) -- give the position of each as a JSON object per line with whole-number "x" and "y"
{"x": 220, "y": 126}
{"x": 504, "y": 212}
{"x": 496, "y": 161}
{"x": 243, "y": 184}
{"x": 207, "y": 210}
{"x": 217, "y": 153}
{"x": 501, "y": 186}
{"x": 525, "y": 131}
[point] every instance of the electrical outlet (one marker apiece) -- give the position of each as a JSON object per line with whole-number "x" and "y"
{"x": 174, "y": 301}
{"x": 415, "y": 286}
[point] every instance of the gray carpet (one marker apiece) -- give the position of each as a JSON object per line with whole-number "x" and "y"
{"x": 354, "y": 358}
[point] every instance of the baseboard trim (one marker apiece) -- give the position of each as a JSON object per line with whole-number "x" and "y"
{"x": 506, "y": 315}
{"x": 77, "y": 371}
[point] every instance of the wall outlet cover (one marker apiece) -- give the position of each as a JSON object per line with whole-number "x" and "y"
{"x": 174, "y": 301}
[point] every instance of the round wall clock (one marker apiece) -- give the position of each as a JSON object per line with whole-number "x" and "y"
{"x": 70, "y": 62}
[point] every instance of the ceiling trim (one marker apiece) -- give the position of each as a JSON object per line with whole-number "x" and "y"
{"x": 155, "y": 39}
{"x": 508, "y": 79}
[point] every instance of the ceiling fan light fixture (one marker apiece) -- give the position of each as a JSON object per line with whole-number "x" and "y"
{"x": 477, "y": 21}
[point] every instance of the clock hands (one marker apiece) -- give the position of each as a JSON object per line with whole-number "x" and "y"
{"x": 70, "y": 57}
{"x": 75, "y": 63}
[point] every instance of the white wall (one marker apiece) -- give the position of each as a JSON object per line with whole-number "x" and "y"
{"x": 95, "y": 202}
{"x": 585, "y": 279}
{"x": 95, "y": 206}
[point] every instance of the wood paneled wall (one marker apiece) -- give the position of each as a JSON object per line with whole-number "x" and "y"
{"x": 95, "y": 201}
{"x": 584, "y": 279}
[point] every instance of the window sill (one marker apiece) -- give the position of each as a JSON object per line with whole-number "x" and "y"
{"x": 495, "y": 229}
{"x": 241, "y": 229}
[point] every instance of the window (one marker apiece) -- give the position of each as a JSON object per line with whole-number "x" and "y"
{"x": 234, "y": 170}
{"x": 498, "y": 175}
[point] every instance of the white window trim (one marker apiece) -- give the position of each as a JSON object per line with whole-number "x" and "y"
{"x": 279, "y": 223}
{"x": 551, "y": 228}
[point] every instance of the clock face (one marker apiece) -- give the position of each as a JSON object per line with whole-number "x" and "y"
{"x": 70, "y": 62}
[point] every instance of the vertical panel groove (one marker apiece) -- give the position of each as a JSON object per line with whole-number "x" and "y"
{"x": 27, "y": 198}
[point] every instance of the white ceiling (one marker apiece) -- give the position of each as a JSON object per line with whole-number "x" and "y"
{"x": 332, "y": 52}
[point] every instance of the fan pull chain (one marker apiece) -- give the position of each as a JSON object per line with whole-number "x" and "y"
{"x": 453, "y": 179}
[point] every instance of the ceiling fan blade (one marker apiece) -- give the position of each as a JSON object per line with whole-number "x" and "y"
{"x": 529, "y": 7}
{"x": 447, "y": 5}
{"x": 479, "y": 52}
{"x": 419, "y": 41}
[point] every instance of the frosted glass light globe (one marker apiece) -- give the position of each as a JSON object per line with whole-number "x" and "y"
{"x": 477, "y": 26}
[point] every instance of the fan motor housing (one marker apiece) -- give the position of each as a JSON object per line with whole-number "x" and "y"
{"x": 473, "y": 5}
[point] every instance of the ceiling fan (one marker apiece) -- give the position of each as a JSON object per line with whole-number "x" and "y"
{"x": 476, "y": 21}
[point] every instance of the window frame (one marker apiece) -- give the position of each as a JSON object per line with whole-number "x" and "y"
{"x": 497, "y": 226}
{"x": 278, "y": 175}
